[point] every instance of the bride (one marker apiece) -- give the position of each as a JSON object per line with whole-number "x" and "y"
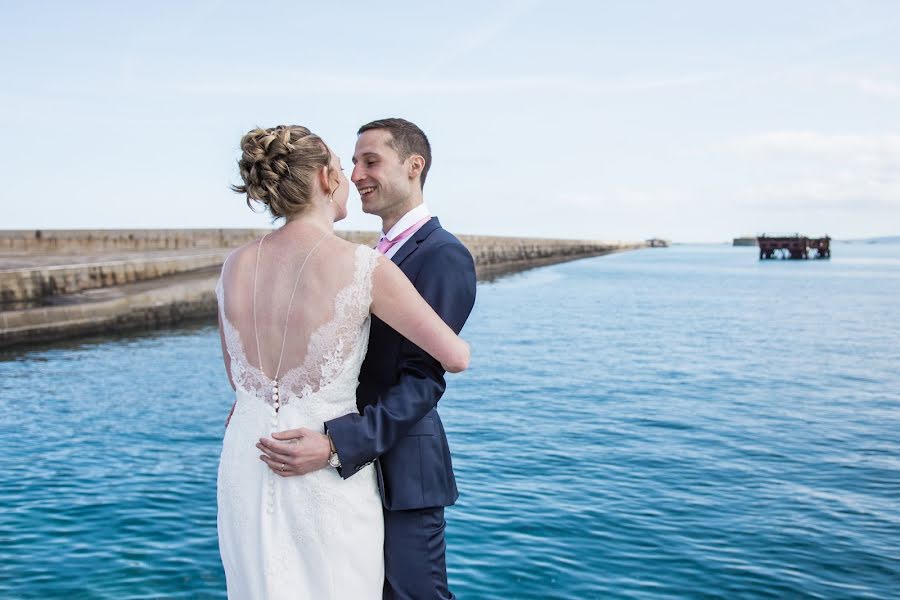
{"x": 294, "y": 312}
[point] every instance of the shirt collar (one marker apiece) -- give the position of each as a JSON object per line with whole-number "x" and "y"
{"x": 407, "y": 221}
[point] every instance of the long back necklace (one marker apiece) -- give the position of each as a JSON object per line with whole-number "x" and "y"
{"x": 275, "y": 390}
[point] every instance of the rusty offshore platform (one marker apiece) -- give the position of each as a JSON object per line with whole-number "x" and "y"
{"x": 796, "y": 246}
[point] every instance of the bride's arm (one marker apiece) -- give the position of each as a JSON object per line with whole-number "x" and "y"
{"x": 227, "y": 358}
{"x": 396, "y": 302}
{"x": 444, "y": 274}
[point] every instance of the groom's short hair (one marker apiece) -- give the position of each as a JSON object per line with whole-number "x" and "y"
{"x": 406, "y": 139}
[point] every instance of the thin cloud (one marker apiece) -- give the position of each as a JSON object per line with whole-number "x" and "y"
{"x": 823, "y": 172}
{"x": 304, "y": 83}
{"x": 870, "y": 86}
{"x": 481, "y": 34}
{"x": 808, "y": 142}
{"x": 842, "y": 196}
{"x": 884, "y": 89}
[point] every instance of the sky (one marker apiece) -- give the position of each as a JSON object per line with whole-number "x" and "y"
{"x": 691, "y": 121}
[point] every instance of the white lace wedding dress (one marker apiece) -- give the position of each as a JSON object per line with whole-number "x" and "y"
{"x": 315, "y": 536}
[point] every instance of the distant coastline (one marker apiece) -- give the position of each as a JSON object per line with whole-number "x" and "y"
{"x": 887, "y": 239}
{"x": 58, "y": 284}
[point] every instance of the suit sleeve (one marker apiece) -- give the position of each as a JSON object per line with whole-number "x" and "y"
{"x": 447, "y": 282}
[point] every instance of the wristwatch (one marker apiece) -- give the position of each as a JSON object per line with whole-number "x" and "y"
{"x": 334, "y": 460}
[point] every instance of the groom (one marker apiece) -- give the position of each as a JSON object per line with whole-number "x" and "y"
{"x": 399, "y": 384}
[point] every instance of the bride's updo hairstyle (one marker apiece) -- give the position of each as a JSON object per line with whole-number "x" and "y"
{"x": 279, "y": 165}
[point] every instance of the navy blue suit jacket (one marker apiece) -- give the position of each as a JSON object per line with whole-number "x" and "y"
{"x": 400, "y": 385}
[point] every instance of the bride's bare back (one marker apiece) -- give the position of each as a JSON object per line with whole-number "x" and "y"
{"x": 303, "y": 324}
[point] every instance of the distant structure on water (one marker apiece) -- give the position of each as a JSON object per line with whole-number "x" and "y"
{"x": 796, "y": 247}
{"x": 746, "y": 240}
{"x": 658, "y": 243}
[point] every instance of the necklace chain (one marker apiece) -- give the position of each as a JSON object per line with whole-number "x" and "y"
{"x": 287, "y": 315}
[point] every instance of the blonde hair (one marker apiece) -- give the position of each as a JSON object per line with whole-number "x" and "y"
{"x": 278, "y": 166}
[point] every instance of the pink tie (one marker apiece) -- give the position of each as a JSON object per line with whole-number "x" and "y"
{"x": 384, "y": 244}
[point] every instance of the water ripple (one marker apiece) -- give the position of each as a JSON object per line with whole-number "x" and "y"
{"x": 633, "y": 426}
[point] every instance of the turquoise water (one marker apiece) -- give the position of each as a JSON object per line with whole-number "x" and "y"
{"x": 670, "y": 423}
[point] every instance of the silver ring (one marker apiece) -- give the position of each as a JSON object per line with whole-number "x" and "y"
{"x": 282, "y": 466}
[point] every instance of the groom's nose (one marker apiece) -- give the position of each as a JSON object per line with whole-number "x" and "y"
{"x": 356, "y": 175}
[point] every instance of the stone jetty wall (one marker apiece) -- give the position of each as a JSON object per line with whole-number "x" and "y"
{"x": 498, "y": 254}
{"x": 125, "y": 310}
{"x": 67, "y": 283}
{"x": 91, "y": 241}
{"x": 33, "y": 284}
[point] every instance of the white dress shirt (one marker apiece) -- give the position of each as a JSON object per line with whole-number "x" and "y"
{"x": 405, "y": 222}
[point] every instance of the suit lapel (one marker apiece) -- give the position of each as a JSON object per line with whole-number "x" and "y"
{"x": 412, "y": 244}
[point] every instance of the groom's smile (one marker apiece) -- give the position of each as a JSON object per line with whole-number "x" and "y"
{"x": 367, "y": 194}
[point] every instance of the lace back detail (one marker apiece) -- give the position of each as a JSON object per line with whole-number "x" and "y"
{"x": 335, "y": 349}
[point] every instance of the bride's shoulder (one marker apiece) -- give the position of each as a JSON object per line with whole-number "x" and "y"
{"x": 367, "y": 257}
{"x": 351, "y": 249}
{"x": 238, "y": 257}
{"x": 361, "y": 259}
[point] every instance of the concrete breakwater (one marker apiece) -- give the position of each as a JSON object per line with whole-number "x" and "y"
{"x": 29, "y": 284}
{"x": 69, "y": 283}
{"x": 90, "y": 241}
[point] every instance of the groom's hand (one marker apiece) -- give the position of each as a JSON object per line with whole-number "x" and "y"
{"x": 295, "y": 451}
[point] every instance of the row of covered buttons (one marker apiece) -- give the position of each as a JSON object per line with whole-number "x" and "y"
{"x": 270, "y": 501}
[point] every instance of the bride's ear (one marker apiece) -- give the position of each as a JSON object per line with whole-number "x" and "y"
{"x": 322, "y": 176}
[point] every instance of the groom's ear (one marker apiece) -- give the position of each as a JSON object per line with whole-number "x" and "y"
{"x": 416, "y": 164}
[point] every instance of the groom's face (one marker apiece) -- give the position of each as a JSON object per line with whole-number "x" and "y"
{"x": 383, "y": 180}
